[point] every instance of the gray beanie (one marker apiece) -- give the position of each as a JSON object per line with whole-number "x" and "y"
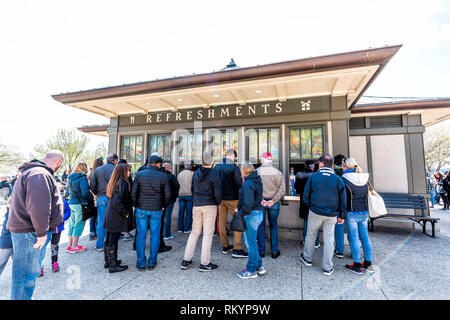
{"x": 207, "y": 158}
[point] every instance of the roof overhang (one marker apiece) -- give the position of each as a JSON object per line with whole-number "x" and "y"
{"x": 99, "y": 130}
{"x": 345, "y": 74}
{"x": 432, "y": 111}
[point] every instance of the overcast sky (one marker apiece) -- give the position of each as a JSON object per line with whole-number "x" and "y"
{"x": 48, "y": 47}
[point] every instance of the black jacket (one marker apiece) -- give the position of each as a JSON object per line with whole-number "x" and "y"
{"x": 299, "y": 185}
{"x": 100, "y": 178}
{"x": 151, "y": 189}
{"x": 174, "y": 185}
{"x": 206, "y": 188}
{"x": 230, "y": 176}
{"x": 118, "y": 209}
{"x": 250, "y": 195}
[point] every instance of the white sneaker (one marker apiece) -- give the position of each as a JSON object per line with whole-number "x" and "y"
{"x": 328, "y": 273}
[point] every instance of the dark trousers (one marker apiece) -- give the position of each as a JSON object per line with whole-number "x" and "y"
{"x": 112, "y": 239}
{"x": 55, "y": 246}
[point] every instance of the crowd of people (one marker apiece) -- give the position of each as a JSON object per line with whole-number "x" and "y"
{"x": 438, "y": 186}
{"x": 333, "y": 192}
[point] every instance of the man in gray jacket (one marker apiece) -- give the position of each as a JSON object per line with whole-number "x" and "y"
{"x": 273, "y": 190}
{"x": 98, "y": 184}
{"x": 36, "y": 210}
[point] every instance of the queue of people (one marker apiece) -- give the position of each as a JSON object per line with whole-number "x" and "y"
{"x": 330, "y": 197}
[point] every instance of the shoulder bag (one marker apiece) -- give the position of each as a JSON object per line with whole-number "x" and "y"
{"x": 88, "y": 210}
{"x": 375, "y": 204}
{"x": 238, "y": 223}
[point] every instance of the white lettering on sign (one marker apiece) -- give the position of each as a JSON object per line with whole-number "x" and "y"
{"x": 278, "y": 106}
{"x": 177, "y": 116}
{"x": 210, "y": 113}
{"x": 158, "y": 117}
{"x": 189, "y": 115}
{"x": 265, "y": 107}
{"x": 199, "y": 114}
{"x": 225, "y": 111}
{"x": 306, "y": 106}
{"x": 149, "y": 118}
{"x": 238, "y": 111}
{"x": 252, "y": 109}
{"x": 132, "y": 120}
{"x": 168, "y": 116}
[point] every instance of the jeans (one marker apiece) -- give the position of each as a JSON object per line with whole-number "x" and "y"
{"x": 357, "y": 230}
{"x": 144, "y": 220}
{"x": 253, "y": 222}
{"x": 102, "y": 202}
{"x": 272, "y": 215}
{"x": 5, "y": 236}
{"x": 4, "y": 257}
{"x": 315, "y": 221}
{"x": 27, "y": 263}
{"x": 305, "y": 231}
{"x": 339, "y": 237}
{"x": 168, "y": 219}
{"x": 432, "y": 196}
{"x": 185, "y": 220}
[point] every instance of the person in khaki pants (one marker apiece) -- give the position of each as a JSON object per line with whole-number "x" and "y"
{"x": 231, "y": 180}
{"x": 207, "y": 194}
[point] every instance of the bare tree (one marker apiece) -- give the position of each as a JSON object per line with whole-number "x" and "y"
{"x": 437, "y": 146}
{"x": 9, "y": 158}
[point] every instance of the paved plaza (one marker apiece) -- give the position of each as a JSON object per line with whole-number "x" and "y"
{"x": 409, "y": 265}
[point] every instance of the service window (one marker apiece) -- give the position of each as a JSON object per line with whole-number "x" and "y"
{"x": 190, "y": 147}
{"x": 305, "y": 143}
{"x": 161, "y": 144}
{"x": 222, "y": 140}
{"x": 263, "y": 140}
{"x": 131, "y": 150}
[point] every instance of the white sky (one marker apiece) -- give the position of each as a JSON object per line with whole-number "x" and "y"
{"x": 48, "y": 47}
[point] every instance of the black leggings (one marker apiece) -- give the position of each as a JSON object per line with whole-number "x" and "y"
{"x": 445, "y": 198}
{"x": 55, "y": 246}
{"x": 112, "y": 238}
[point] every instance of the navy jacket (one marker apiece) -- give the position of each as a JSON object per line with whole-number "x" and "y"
{"x": 325, "y": 193}
{"x": 151, "y": 189}
{"x": 100, "y": 178}
{"x": 230, "y": 176}
{"x": 79, "y": 183}
{"x": 174, "y": 185}
{"x": 206, "y": 188}
{"x": 251, "y": 193}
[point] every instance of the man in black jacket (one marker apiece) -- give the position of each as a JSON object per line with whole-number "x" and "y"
{"x": 230, "y": 177}
{"x": 98, "y": 185}
{"x": 167, "y": 213}
{"x": 150, "y": 195}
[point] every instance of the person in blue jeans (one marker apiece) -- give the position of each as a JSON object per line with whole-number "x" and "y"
{"x": 150, "y": 193}
{"x": 357, "y": 185}
{"x": 250, "y": 198}
{"x": 6, "y": 248}
{"x": 98, "y": 184}
{"x": 339, "y": 228}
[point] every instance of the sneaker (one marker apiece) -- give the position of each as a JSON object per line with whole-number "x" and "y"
{"x": 328, "y": 273}
{"x": 338, "y": 254}
{"x": 306, "y": 262}
{"x": 128, "y": 237}
{"x": 99, "y": 250}
{"x": 78, "y": 249}
{"x": 42, "y": 272}
{"x": 239, "y": 254}
{"x": 55, "y": 267}
{"x": 367, "y": 265}
{"x": 68, "y": 249}
{"x": 276, "y": 255}
{"x": 247, "y": 274}
{"x": 151, "y": 267}
{"x": 179, "y": 231}
{"x": 317, "y": 245}
{"x": 260, "y": 270}
{"x": 92, "y": 237}
{"x": 209, "y": 267}
{"x": 185, "y": 264}
{"x": 164, "y": 249}
{"x": 354, "y": 267}
{"x": 262, "y": 254}
{"x": 169, "y": 237}
{"x": 226, "y": 250}
{"x": 189, "y": 231}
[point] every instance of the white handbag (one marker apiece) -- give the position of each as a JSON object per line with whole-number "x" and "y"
{"x": 376, "y": 204}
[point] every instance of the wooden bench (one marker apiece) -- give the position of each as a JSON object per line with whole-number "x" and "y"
{"x": 406, "y": 201}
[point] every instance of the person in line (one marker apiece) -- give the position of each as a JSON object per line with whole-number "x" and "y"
{"x": 119, "y": 208}
{"x": 207, "y": 195}
{"x": 150, "y": 193}
{"x": 185, "y": 199}
{"x": 4, "y": 183}
{"x": 167, "y": 214}
{"x": 445, "y": 193}
{"x": 327, "y": 200}
{"x": 6, "y": 247}
{"x": 339, "y": 228}
{"x": 250, "y": 205}
{"x": 438, "y": 187}
{"x": 230, "y": 177}
{"x": 127, "y": 236}
{"x": 357, "y": 217}
{"x": 36, "y": 210}
{"x": 300, "y": 182}
{"x": 79, "y": 192}
{"x": 431, "y": 187}
{"x": 64, "y": 177}
{"x": 273, "y": 190}
{"x": 99, "y": 182}
{"x": 56, "y": 237}
{"x": 92, "y": 221}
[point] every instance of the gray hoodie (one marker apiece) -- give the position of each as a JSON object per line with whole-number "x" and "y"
{"x": 36, "y": 204}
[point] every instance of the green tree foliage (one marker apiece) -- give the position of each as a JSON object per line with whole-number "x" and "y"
{"x": 437, "y": 147}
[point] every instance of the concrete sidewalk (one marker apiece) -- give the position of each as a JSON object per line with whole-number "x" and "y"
{"x": 409, "y": 265}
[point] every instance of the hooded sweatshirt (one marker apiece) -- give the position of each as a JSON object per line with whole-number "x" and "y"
{"x": 206, "y": 188}
{"x": 250, "y": 195}
{"x": 36, "y": 203}
{"x": 356, "y": 189}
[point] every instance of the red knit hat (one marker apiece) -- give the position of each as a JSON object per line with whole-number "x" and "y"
{"x": 267, "y": 155}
